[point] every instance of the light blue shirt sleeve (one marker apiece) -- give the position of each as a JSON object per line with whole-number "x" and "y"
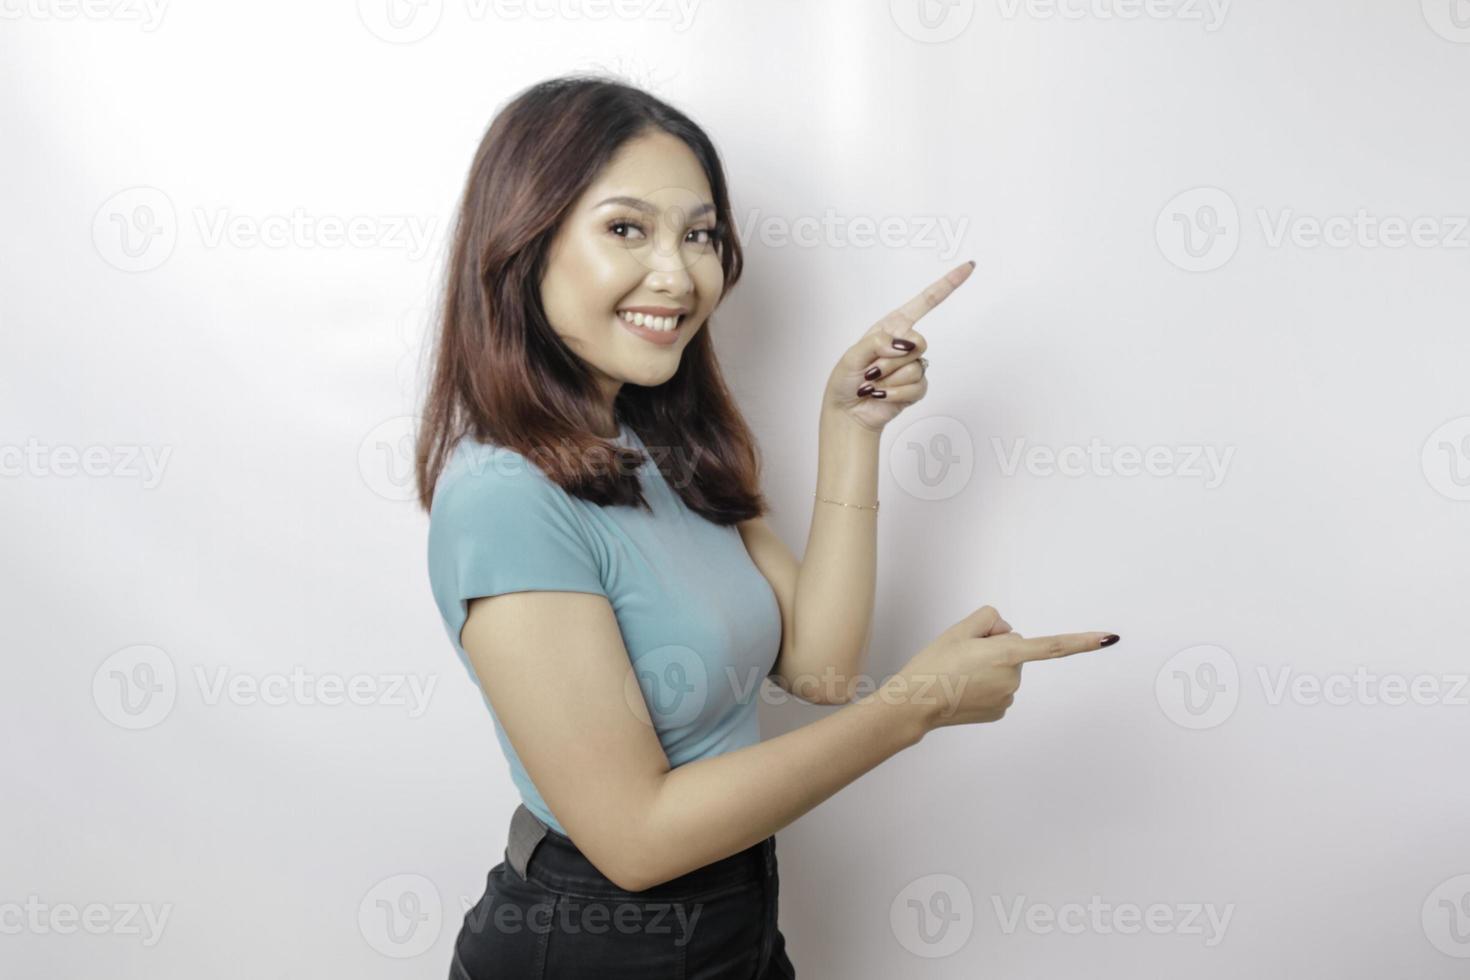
{"x": 499, "y": 525}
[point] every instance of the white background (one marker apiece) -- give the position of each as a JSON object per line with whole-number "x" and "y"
{"x": 1073, "y": 149}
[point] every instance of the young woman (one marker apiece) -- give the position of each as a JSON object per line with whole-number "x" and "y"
{"x": 598, "y": 553}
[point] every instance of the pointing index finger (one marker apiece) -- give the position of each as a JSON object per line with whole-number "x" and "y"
{"x": 1062, "y": 645}
{"x": 902, "y": 320}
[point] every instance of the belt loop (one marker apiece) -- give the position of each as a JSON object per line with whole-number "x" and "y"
{"x": 526, "y": 831}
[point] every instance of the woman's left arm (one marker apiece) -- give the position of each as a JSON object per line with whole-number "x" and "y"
{"x": 827, "y": 598}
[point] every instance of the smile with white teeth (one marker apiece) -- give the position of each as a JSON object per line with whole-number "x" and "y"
{"x": 659, "y": 323}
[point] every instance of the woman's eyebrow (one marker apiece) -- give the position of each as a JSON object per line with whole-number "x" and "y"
{"x": 638, "y": 204}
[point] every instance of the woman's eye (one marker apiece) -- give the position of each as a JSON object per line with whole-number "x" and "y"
{"x": 624, "y": 224}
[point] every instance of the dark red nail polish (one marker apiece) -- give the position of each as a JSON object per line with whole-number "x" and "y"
{"x": 873, "y": 372}
{"x": 902, "y": 344}
{"x": 865, "y": 390}
{"x": 1110, "y": 639}
{"x": 878, "y": 393}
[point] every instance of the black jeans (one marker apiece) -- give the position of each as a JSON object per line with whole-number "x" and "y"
{"x": 548, "y": 913}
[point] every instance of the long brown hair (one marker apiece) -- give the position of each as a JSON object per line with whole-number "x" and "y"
{"x": 501, "y": 374}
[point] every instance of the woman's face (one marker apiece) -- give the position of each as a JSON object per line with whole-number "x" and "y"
{"x": 652, "y": 247}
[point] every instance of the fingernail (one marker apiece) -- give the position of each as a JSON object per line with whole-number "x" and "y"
{"x": 878, "y": 393}
{"x": 1109, "y": 640}
{"x": 902, "y": 344}
{"x": 972, "y": 263}
{"x": 865, "y": 390}
{"x": 873, "y": 372}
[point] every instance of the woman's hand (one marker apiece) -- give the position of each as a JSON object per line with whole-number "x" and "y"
{"x": 971, "y": 672}
{"x": 876, "y": 379}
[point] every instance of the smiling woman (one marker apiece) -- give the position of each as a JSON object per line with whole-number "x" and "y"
{"x": 620, "y": 619}
{"x": 590, "y": 253}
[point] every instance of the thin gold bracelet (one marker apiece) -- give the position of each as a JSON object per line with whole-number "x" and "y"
{"x": 828, "y": 500}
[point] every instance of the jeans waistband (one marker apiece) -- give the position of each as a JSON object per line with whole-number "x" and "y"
{"x": 560, "y": 865}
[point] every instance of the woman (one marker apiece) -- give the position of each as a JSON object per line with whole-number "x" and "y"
{"x": 598, "y": 553}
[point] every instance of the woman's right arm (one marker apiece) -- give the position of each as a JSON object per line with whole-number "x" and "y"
{"x": 555, "y": 669}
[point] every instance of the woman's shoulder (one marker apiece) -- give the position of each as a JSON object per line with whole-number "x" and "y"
{"x": 477, "y": 472}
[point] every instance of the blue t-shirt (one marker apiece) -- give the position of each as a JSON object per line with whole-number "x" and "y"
{"x": 700, "y": 622}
